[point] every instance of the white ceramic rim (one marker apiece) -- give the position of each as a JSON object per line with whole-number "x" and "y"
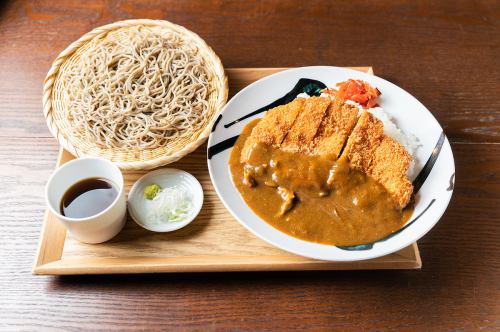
{"x": 68, "y": 164}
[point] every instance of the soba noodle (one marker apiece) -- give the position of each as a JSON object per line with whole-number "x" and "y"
{"x": 138, "y": 88}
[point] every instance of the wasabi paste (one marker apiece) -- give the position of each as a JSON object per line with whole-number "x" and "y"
{"x": 151, "y": 191}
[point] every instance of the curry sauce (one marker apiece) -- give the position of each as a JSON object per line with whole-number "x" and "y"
{"x": 313, "y": 198}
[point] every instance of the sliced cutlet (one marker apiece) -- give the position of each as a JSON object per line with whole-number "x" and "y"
{"x": 273, "y": 127}
{"x": 364, "y": 139}
{"x": 301, "y": 135}
{"x": 379, "y": 156}
{"x": 389, "y": 166}
{"x": 338, "y": 122}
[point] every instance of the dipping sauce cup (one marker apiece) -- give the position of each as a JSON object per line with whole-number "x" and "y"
{"x": 99, "y": 227}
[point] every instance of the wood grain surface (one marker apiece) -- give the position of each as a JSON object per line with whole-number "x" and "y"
{"x": 212, "y": 243}
{"x": 445, "y": 53}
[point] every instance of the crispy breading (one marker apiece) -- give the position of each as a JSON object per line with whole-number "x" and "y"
{"x": 361, "y": 145}
{"x": 389, "y": 166}
{"x": 273, "y": 127}
{"x": 379, "y": 156}
{"x": 338, "y": 122}
{"x": 320, "y": 127}
{"x": 304, "y": 129}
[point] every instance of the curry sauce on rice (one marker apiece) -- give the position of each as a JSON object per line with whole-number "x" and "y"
{"x": 325, "y": 169}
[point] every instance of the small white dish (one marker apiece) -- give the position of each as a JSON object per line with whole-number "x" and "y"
{"x": 165, "y": 178}
{"x": 100, "y": 227}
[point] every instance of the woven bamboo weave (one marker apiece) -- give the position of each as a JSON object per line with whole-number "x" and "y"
{"x": 54, "y": 105}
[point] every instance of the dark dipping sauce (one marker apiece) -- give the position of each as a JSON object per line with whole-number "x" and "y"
{"x": 314, "y": 198}
{"x": 88, "y": 197}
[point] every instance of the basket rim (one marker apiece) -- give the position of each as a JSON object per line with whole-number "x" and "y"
{"x": 221, "y": 92}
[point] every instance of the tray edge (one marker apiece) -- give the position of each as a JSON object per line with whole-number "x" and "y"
{"x": 48, "y": 257}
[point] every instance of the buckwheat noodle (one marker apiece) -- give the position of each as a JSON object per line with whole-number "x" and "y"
{"x": 137, "y": 88}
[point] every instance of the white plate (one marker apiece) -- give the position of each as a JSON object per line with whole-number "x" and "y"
{"x": 165, "y": 178}
{"x": 436, "y": 174}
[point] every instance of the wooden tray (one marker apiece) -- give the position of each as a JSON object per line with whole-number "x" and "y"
{"x": 213, "y": 242}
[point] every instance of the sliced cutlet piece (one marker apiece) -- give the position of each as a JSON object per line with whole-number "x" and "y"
{"x": 364, "y": 139}
{"x": 301, "y": 135}
{"x": 379, "y": 156}
{"x": 389, "y": 166}
{"x": 273, "y": 127}
{"x": 338, "y": 122}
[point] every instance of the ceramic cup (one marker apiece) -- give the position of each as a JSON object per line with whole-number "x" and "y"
{"x": 102, "y": 226}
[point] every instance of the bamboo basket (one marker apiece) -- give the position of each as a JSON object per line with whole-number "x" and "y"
{"x": 54, "y": 105}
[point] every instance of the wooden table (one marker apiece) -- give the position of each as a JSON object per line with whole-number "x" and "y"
{"x": 446, "y": 54}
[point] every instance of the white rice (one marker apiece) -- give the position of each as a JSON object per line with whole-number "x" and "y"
{"x": 353, "y": 103}
{"x": 303, "y": 95}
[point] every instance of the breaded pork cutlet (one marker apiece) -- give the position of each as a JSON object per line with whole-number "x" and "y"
{"x": 301, "y": 135}
{"x": 273, "y": 127}
{"x": 338, "y": 122}
{"x": 389, "y": 166}
{"x": 379, "y": 156}
{"x": 364, "y": 139}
